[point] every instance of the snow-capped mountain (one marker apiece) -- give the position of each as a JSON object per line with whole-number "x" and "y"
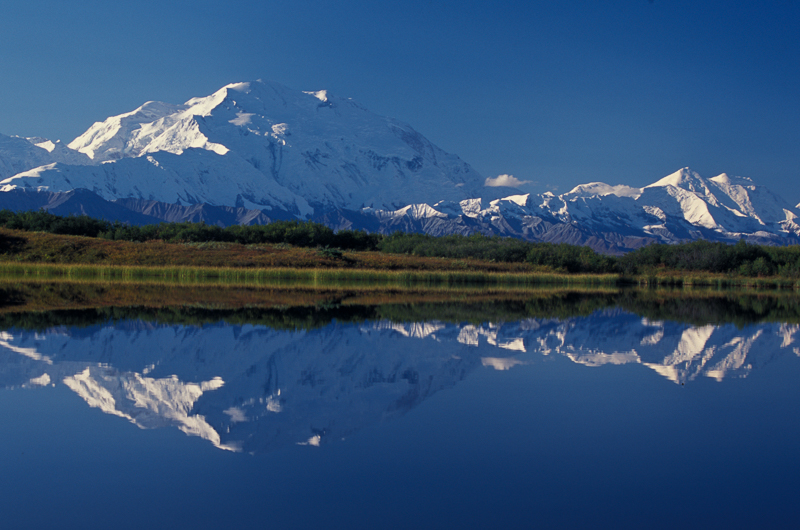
{"x": 19, "y": 154}
{"x": 252, "y": 388}
{"x": 262, "y": 146}
{"x": 260, "y": 151}
{"x": 682, "y": 206}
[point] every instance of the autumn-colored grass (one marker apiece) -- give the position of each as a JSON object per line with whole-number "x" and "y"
{"x": 310, "y": 278}
{"x": 39, "y": 247}
{"x": 42, "y": 255}
{"x": 670, "y": 278}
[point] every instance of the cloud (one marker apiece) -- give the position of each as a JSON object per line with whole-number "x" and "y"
{"x": 505, "y": 180}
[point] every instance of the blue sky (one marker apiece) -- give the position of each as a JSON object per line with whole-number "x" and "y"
{"x": 557, "y": 93}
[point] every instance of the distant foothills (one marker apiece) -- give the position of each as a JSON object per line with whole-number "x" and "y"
{"x": 258, "y": 152}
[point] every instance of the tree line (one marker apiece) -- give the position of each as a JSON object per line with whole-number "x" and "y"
{"x": 742, "y": 258}
{"x": 297, "y": 233}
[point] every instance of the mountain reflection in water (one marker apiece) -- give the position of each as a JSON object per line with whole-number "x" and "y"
{"x": 255, "y": 388}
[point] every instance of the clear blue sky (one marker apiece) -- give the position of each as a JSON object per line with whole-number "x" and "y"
{"x": 558, "y": 93}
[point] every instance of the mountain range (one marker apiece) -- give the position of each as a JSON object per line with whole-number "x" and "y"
{"x": 259, "y": 151}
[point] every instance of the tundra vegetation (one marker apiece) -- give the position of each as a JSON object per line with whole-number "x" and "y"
{"x": 303, "y": 245}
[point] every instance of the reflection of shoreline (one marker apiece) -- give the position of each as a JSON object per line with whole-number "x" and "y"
{"x": 34, "y": 293}
{"x": 255, "y": 389}
{"x": 42, "y": 304}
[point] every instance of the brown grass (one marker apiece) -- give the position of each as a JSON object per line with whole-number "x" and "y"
{"x": 38, "y": 247}
{"x": 18, "y": 247}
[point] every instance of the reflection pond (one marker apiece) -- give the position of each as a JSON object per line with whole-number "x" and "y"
{"x": 622, "y": 409}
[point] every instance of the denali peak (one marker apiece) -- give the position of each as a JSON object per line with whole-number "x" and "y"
{"x": 319, "y": 150}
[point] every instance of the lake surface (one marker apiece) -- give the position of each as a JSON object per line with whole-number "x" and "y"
{"x": 358, "y": 418}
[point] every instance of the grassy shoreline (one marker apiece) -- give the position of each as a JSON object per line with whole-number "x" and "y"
{"x": 311, "y": 277}
{"x": 364, "y": 277}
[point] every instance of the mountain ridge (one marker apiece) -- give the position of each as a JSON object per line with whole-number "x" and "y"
{"x": 270, "y": 152}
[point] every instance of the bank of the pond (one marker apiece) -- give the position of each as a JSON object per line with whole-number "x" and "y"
{"x": 316, "y": 277}
{"x": 331, "y": 277}
{"x": 662, "y": 278}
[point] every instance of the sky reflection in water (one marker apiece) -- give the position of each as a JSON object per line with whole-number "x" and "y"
{"x": 600, "y": 420}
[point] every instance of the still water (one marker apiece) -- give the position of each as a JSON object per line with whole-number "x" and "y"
{"x": 606, "y": 419}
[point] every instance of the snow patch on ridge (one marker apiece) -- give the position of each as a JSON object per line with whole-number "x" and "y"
{"x": 602, "y": 189}
{"x": 47, "y": 145}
